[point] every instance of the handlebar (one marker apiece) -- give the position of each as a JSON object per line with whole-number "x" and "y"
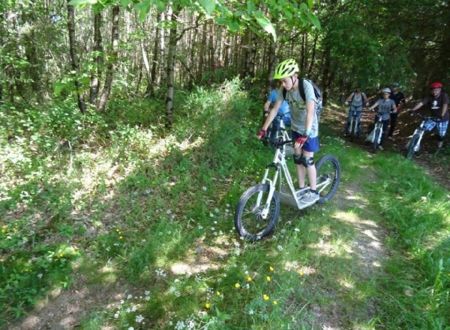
{"x": 418, "y": 114}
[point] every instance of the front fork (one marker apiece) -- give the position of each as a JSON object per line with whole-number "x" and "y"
{"x": 417, "y": 146}
{"x": 272, "y": 185}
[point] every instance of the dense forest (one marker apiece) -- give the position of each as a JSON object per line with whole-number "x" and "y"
{"x": 128, "y": 135}
{"x": 95, "y": 49}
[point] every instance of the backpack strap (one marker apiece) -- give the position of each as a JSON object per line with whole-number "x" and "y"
{"x": 301, "y": 89}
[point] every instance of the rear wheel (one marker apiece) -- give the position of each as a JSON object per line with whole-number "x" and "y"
{"x": 248, "y": 219}
{"x": 411, "y": 145}
{"x": 328, "y": 169}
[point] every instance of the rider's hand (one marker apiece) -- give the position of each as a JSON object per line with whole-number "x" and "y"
{"x": 261, "y": 134}
{"x": 300, "y": 141}
{"x": 266, "y": 113}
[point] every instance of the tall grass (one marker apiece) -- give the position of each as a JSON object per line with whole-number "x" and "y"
{"x": 126, "y": 201}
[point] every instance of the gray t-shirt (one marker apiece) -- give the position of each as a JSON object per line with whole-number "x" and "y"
{"x": 298, "y": 108}
{"x": 385, "y": 107}
{"x": 357, "y": 100}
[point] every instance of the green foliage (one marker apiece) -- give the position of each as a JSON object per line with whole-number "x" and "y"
{"x": 132, "y": 204}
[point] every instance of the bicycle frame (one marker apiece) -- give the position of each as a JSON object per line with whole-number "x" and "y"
{"x": 355, "y": 119}
{"x": 292, "y": 197}
{"x": 420, "y": 131}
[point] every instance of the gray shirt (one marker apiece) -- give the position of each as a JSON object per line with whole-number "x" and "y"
{"x": 385, "y": 107}
{"x": 298, "y": 108}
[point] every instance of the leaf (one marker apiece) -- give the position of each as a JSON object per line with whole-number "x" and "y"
{"x": 143, "y": 8}
{"x": 314, "y": 20}
{"x": 265, "y": 23}
{"x": 310, "y": 3}
{"x": 82, "y": 3}
{"x": 208, "y": 6}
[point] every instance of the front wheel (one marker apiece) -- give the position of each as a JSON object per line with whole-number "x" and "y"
{"x": 249, "y": 220}
{"x": 328, "y": 177}
{"x": 376, "y": 139}
{"x": 411, "y": 146}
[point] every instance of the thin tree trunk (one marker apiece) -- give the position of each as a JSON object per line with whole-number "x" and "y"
{"x": 73, "y": 57}
{"x": 98, "y": 49}
{"x": 109, "y": 75}
{"x": 313, "y": 56}
{"x": 325, "y": 74}
{"x": 170, "y": 69}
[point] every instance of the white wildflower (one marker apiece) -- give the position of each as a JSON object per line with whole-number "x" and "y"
{"x": 279, "y": 248}
{"x": 139, "y": 319}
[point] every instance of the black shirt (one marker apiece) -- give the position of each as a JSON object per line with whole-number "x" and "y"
{"x": 435, "y": 105}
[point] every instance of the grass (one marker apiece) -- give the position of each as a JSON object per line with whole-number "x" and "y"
{"x": 126, "y": 203}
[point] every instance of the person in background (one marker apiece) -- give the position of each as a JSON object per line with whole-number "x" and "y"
{"x": 385, "y": 107}
{"x": 399, "y": 100}
{"x": 437, "y": 103}
{"x": 283, "y": 113}
{"x": 356, "y": 100}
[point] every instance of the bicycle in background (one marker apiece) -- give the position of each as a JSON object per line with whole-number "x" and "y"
{"x": 413, "y": 145}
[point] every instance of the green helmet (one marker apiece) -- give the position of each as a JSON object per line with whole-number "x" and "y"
{"x": 285, "y": 69}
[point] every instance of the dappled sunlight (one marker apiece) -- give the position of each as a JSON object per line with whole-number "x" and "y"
{"x": 187, "y": 145}
{"x": 202, "y": 258}
{"x": 346, "y": 282}
{"x": 302, "y": 270}
{"x": 337, "y": 248}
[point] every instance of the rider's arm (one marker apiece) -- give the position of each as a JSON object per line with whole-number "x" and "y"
{"x": 444, "y": 109}
{"x": 374, "y": 105}
{"x": 417, "y": 106}
{"x": 310, "y": 111}
{"x": 350, "y": 97}
{"x": 394, "y": 108}
{"x": 266, "y": 107}
{"x": 272, "y": 114}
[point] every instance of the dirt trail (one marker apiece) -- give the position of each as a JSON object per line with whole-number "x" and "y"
{"x": 66, "y": 309}
{"x": 367, "y": 250}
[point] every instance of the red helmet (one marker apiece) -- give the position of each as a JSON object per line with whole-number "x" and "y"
{"x": 436, "y": 84}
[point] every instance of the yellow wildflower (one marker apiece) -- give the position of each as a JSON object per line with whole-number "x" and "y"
{"x": 207, "y": 305}
{"x": 249, "y": 279}
{"x": 237, "y": 285}
{"x": 271, "y": 268}
{"x": 266, "y": 297}
{"x": 268, "y": 278}
{"x": 275, "y": 302}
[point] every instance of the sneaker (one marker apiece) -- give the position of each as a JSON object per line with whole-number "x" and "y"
{"x": 440, "y": 144}
{"x": 380, "y": 148}
{"x": 310, "y": 198}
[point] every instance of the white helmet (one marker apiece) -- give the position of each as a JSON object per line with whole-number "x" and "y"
{"x": 386, "y": 90}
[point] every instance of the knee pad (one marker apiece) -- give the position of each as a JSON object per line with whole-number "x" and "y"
{"x": 302, "y": 160}
{"x": 298, "y": 159}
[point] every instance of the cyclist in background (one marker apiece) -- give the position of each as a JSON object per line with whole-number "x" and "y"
{"x": 304, "y": 124}
{"x": 399, "y": 100}
{"x": 437, "y": 103}
{"x": 357, "y": 100}
{"x": 385, "y": 107}
{"x": 283, "y": 113}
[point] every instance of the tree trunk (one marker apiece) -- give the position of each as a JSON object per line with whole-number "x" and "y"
{"x": 325, "y": 74}
{"x": 313, "y": 56}
{"x": 109, "y": 75}
{"x": 73, "y": 57}
{"x": 170, "y": 69}
{"x": 151, "y": 83}
{"x": 98, "y": 49}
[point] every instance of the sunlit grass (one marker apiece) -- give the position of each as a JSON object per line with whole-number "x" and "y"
{"x": 153, "y": 212}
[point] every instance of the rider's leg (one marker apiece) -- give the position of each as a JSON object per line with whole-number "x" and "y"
{"x": 347, "y": 123}
{"x": 385, "y": 127}
{"x": 310, "y": 169}
{"x": 300, "y": 167}
{"x": 442, "y": 131}
{"x": 305, "y": 164}
{"x": 393, "y": 123}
